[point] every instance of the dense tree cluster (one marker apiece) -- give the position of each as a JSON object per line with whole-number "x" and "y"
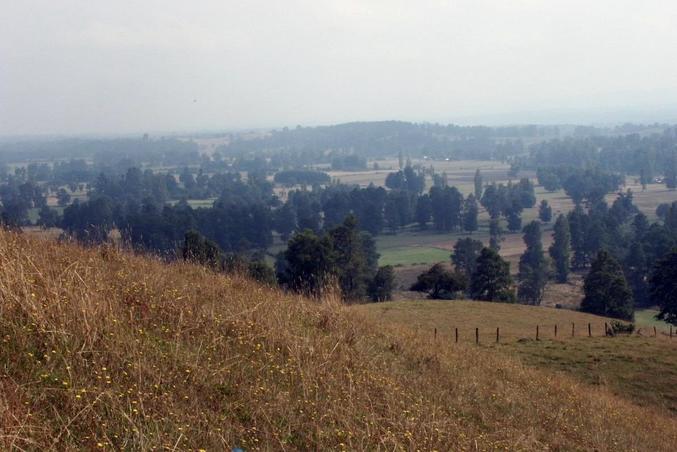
{"x": 663, "y": 287}
{"x": 606, "y": 290}
{"x": 533, "y": 267}
{"x": 309, "y": 145}
{"x": 440, "y": 282}
{"x": 625, "y": 237}
{"x": 301, "y": 177}
{"x": 157, "y": 152}
{"x": 508, "y": 201}
{"x": 579, "y": 184}
{"x": 350, "y": 162}
{"x": 406, "y": 179}
{"x": 479, "y": 273}
{"x": 313, "y": 263}
{"x": 647, "y": 156}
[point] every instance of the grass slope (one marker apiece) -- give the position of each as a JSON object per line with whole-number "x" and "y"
{"x": 642, "y": 368}
{"x": 103, "y": 349}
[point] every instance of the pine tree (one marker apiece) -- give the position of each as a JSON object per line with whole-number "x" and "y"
{"x": 560, "y": 250}
{"x": 636, "y": 270}
{"x": 349, "y": 261}
{"x": 447, "y": 203}
{"x": 491, "y": 280}
{"x": 578, "y": 220}
{"x": 492, "y": 201}
{"x": 284, "y": 220}
{"x": 423, "y": 211}
{"x": 495, "y": 233}
{"x": 545, "y": 212}
{"x": 671, "y": 172}
{"x": 307, "y": 264}
{"x": 606, "y": 290}
{"x": 382, "y": 285}
{"x": 533, "y": 271}
{"x": 663, "y": 287}
{"x": 671, "y": 218}
{"x": 464, "y": 257}
{"x": 196, "y": 248}
{"x": 478, "y": 184}
{"x": 514, "y": 220}
{"x": 440, "y": 283}
{"x": 470, "y": 213}
{"x": 640, "y": 226}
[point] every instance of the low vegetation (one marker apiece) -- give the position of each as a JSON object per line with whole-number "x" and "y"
{"x": 637, "y": 367}
{"x": 103, "y": 349}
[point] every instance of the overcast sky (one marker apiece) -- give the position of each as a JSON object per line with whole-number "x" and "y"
{"x": 127, "y": 66}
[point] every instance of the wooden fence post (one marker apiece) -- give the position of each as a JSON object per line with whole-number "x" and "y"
{"x": 654, "y": 331}
{"x": 606, "y": 329}
{"x": 670, "y": 331}
{"x": 435, "y": 334}
{"x": 457, "y": 335}
{"x": 497, "y": 334}
{"x": 555, "y": 330}
{"x": 536, "y": 332}
{"x": 477, "y": 335}
{"x": 589, "y": 330}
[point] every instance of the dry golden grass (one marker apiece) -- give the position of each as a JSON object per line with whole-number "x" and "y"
{"x": 516, "y": 321}
{"x": 103, "y": 349}
{"x": 639, "y": 367}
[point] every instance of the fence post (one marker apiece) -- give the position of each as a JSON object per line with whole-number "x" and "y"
{"x": 670, "y": 331}
{"x": 606, "y": 329}
{"x": 497, "y": 334}
{"x": 573, "y": 329}
{"x": 435, "y": 334}
{"x": 477, "y": 335}
{"x": 589, "y": 330}
{"x": 536, "y": 332}
{"x": 457, "y": 335}
{"x": 654, "y": 331}
{"x": 555, "y": 330}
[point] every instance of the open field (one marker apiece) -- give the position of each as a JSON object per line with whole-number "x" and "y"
{"x": 412, "y": 247}
{"x": 641, "y": 368}
{"x": 459, "y": 172}
{"x": 108, "y": 350}
{"x": 413, "y": 254}
{"x": 647, "y": 317}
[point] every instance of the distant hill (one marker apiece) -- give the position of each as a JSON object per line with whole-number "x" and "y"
{"x": 107, "y": 350}
{"x": 388, "y": 138}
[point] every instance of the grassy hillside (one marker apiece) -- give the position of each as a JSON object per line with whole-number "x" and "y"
{"x": 641, "y": 368}
{"x": 102, "y": 349}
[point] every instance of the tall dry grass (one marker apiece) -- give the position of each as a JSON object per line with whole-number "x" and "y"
{"x": 103, "y": 349}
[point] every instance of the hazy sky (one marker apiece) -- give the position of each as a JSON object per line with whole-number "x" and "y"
{"x": 123, "y": 66}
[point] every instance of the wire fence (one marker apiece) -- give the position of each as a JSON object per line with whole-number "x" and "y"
{"x": 556, "y": 331}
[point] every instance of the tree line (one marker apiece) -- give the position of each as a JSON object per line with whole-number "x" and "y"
{"x": 628, "y": 262}
{"x": 651, "y": 157}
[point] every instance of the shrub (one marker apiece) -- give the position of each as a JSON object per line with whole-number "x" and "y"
{"x": 618, "y": 327}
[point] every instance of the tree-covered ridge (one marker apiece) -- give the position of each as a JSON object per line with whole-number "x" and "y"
{"x": 647, "y": 156}
{"x": 385, "y": 138}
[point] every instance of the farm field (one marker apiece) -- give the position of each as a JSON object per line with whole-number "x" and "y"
{"x": 459, "y": 172}
{"x": 641, "y": 368}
